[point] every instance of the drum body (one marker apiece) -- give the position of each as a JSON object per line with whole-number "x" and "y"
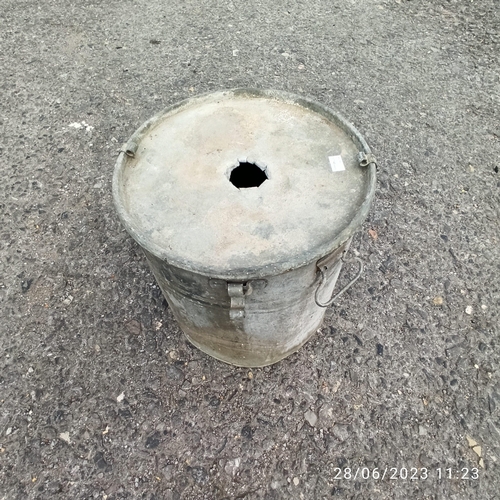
{"x": 245, "y": 202}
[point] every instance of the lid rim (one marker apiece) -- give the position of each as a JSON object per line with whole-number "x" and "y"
{"x": 295, "y": 261}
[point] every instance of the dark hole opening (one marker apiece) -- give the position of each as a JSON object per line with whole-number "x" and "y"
{"x": 247, "y": 175}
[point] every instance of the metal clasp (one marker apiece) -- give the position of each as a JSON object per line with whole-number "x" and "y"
{"x": 237, "y": 292}
{"x": 129, "y": 148}
{"x": 365, "y": 159}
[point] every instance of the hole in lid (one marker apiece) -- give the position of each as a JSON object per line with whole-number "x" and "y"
{"x": 247, "y": 175}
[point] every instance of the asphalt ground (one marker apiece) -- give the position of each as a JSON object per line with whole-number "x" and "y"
{"x": 397, "y": 396}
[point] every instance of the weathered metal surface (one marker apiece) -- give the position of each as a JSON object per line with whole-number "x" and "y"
{"x": 239, "y": 266}
{"x": 276, "y": 320}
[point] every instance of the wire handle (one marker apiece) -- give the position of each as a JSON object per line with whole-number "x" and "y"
{"x": 341, "y": 292}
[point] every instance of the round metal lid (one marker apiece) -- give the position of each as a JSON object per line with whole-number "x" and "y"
{"x": 180, "y": 186}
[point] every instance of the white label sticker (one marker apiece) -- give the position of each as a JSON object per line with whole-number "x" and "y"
{"x": 336, "y": 163}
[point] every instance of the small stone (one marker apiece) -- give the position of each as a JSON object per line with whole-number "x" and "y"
{"x": 199, "y": 474}
{"x": 469, "y": 310}
{"x": 296, "y": 481}
{"x": 484, "y": 307}
{"x": 340, "y": 432}
{"x": 311, "y": 418}
{"x": 67, "y": 301}
{"x": 491, "y": 403}
{"x": 247, "y": 432}
{"x": 425, "y": 460}
{"x": 422, "y": 431}
{"x": 25, "y": 285}
{"x": 121, "y": 397}
{"x": 438, "y": 301}
{"x": 153, "y": 441}
{"x": 232, "y": 466}
{"x": 134, "y": 327}
{"x": 250, "y": 375}
{"x": 64, "y": 436}
{"x": 471, "y": 441}
{"x": 326, "y": 417}
{"x": 175, "y": 375}
{"x": 214, "y": 401}
{"x": 8, "y": 432}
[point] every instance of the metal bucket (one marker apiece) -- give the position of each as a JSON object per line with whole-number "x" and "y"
{"x": 245, "y": 202}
